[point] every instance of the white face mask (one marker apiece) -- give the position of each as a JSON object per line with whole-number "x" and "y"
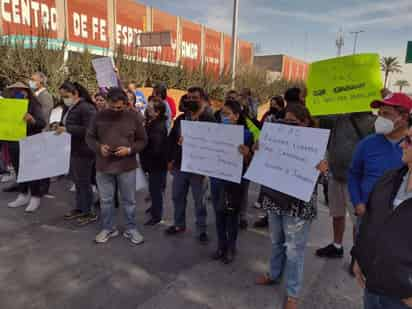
{"x": 68, "y": 101}
{"x": 384, "y": 126}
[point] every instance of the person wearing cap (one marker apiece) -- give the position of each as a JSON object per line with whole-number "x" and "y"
{"x": 379, "y": 152}
{"x": 30, "y": 193}
{"x": 383, "y": 250}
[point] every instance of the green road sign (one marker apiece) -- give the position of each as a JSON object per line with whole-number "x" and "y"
{"x": 409, "y": 53}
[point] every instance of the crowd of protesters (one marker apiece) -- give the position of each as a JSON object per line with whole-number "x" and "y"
{"x": 366, "y": 173}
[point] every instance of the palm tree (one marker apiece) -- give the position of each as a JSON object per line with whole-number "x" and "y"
{"x": 401, "y": 84}
{"x": 390, "y": 65}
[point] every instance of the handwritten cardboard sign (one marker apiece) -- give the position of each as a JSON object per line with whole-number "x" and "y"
{"x": 287, "y": 158}
{"x": 43, "y": 156}
{"x": 105, "y": 74}
{"x": 344, "y": 85}
{"x": 212, "y": 149}
{"x": 12, "y": 125}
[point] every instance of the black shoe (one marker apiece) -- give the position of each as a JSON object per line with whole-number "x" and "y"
{"x": 203, "y": 238}
{"x": 218, "y": 255}
{"x": 73, "y": 214}
{"x": 87, "y": 219}
{"x": 243, "y": 224}
{"x": 330, "y": 252}
{"x": 148, "y": 210}
{"x": 261, "y": 223}
{"x": 174, "y": 230}
{"x": 229, "y": 257}
{"x": 153, "y": 222}
{"x": 12, "y": 188}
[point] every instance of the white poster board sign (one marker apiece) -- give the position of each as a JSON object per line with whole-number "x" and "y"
{"x": 212, "y": 149}
{"x": 105, "y": 74}
{"x": 287, "y": 158}
{"x": 43, "y": 156}
{"x": 56, "y": 115}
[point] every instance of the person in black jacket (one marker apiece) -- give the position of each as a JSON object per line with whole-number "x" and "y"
{"x": 75, "y": 121}
{"x": 30, "y": 192}
{"x": 195, "y": 110}
{"x": 383, "y": 250}
{"x": 154, "y": 156}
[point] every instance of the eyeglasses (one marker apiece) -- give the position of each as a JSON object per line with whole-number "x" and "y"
{"x": 407, "y": 140}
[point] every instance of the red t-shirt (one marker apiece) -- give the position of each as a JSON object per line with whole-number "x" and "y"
{"x": 172, "y": 105}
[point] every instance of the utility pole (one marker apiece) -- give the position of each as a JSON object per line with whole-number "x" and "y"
{"x": 355, "y": 43}
{"x": 234, "y": 40}
{"x": 340, "y": 42}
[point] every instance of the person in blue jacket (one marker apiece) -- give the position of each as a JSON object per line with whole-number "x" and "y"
{"x": 380, "y": 152}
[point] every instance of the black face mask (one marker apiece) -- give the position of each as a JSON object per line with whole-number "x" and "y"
{"x": 115, "y": 114}
{"x": 192, "y": 106}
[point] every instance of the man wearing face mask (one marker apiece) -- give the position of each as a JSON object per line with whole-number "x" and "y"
{"x": 116, "y": 135}
{"x": 38, "y": 83}
{"x": 380, "y": 152}
{"x": 195, "y": 110}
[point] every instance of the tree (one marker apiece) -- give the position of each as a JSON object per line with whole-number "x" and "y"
{"x": 390, "y": 65}
{"x": 401, "y": 84}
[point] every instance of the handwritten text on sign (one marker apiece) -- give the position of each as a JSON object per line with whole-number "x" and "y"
{"x": 12, "y": 125}
{"x": 212, "y": 149}
{"x": 287, "y": 158}
{"x": 344, "y": 85}
{"x": 43, "y": 156}
{"x": 105, "y": 74}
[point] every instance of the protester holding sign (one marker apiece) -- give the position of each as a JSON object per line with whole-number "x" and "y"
{"x": 76, "y": 120}
{"x": 154, "y": 156}
{"x": 227, "y": 196}
{"x": 289, "y": 220}
{"x": 30, "y": 192}
{"x": 116, "y": 135}
{"x": 182, "y": 181}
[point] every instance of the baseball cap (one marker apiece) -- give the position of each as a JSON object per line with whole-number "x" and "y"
{"x": 394, "y": 99}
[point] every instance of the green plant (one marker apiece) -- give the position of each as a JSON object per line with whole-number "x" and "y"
{"x": 390, "y": 65}
{"x": 401, "y": 84}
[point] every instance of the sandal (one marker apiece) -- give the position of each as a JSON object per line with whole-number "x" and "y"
{"x": 265, "y": 280}
{"x": 291, "y": 303}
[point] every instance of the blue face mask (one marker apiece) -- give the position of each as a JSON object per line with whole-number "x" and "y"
{"x": 19, "y": 95}
{"x": 226, "y": 120}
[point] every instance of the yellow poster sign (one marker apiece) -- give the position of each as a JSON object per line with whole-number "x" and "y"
{"x": 344, "y": 85}
{"x": 12, "y": 125}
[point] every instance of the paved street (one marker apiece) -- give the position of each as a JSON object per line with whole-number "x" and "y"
{"x": 46, "y": 262}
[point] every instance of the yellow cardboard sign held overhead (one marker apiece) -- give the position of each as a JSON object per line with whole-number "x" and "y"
{"x": 12, "y": 125}
{"x": 344, "y": 85}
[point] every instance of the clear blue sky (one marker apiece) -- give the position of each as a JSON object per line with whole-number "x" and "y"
{"x": 307, "y": 28}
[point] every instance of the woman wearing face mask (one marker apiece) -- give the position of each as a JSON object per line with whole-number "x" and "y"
{"x": 154, "y": 156}
{"x": 276, "y": 110}
{"x": 289, "y": 220}
{"x": 80, "y": 111}
{"x": 227, "y": 196}
{"x": 30, "y": 192}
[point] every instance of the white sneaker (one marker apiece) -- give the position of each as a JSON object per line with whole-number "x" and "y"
{"x": 134, "y": 236}
{"x": 33, "y": 205}
{"x": 105, "y": 235}
{"x": 257, "y": 205}
{"x": 22, "y": 200}
{"x": 73, "y": 188}
{"x": 8, "y": 178}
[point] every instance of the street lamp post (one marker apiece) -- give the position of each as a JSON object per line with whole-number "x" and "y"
{"x": 356, "y": 33}
{"x": 234, "y": 40}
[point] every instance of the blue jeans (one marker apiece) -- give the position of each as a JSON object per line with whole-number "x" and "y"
{"x": 182, "y": 181}
{"x": 157, "y": 183}
{"x": 374, "y": 301}
{"x": 289, "y": 236}
{"x": 107, "y": 189}
{"x": 227, "y": 223}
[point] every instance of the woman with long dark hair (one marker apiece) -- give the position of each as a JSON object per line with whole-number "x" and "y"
{"x": 227, "y": 196}
{"x": 30, "y": 192}
{"x": 154, "y": 156}
{"x": 289, "y": 221}
{"x": 76, "y": 120}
